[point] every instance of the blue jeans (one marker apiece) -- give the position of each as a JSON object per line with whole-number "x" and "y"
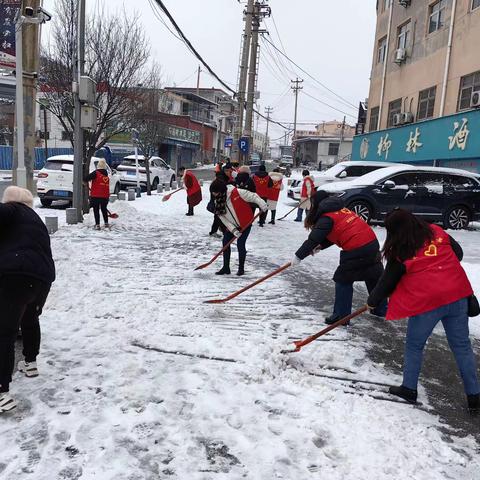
{"x": 300, "y": 214}
{"x": 344, "y": 297}
{"x": 454, "y": 318}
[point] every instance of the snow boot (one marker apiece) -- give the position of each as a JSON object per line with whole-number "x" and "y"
{"x": 403, "y": 392}
{"x": 7, "y": 403}
{"x": 334, "y": 318}
{"x": 224, "y": 271}
{"x": 28, "y": 368}
{"x": 96, "y": 227}
{"x": 272, "y": 221}
{"x": 474, "y": 403}
{"x": 241, "y": 266}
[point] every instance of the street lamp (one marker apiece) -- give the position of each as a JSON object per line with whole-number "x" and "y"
{"x": 31, "y": 17}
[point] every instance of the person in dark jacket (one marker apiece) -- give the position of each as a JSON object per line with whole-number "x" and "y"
{"x": 331, "y": 223}
{"x": 99, "y": 192}
{"x": 426, "y": 284}
{"x": 27, "y": 271}
{"x": 263, "y": 184}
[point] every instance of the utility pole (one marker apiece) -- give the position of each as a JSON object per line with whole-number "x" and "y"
{"x": 78, "y": 139}
{"x": 243, "y": 70}
{"x": 296, "y": 89}
{"x": 198, "y": 80}
{"x": 342, "y": 136}
{"x": 268, "y": 112}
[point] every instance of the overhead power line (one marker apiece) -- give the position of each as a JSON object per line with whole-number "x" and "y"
{"x": 327, "y": 105}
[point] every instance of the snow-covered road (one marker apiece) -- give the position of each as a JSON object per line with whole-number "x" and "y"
{"x": 141, "y": 380}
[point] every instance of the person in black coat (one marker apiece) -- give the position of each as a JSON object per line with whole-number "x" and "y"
{"x": 331, "y": 223}
{"x": 27, "y": 271}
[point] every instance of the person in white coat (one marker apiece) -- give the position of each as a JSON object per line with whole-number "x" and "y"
{"x": 233, "y": 209}
{"x": 274, "y": 192}
{"x": 307, "y": 190}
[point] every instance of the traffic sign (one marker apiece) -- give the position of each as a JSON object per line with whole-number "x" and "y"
{"x": 228, "y": 142}
{"x": 244, "y": 145}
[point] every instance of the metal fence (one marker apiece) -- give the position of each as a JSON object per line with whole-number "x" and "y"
{"x": 6, "y": 156}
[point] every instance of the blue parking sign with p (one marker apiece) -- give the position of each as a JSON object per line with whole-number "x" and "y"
{"x": 244, "y": 145}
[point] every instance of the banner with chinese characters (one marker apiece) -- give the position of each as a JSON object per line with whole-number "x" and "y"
{"x": 183, "y": 134}
{"x": 8, "y": 13}
{"x": 454, "y": 137}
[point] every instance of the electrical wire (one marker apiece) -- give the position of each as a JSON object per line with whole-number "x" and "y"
{"x": 157, "y": 14}
{"x": 326, "y": 104}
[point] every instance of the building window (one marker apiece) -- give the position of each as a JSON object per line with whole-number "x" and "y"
{"x": 403, "y": 35}
{"x": 382, "y": 49}
{"x": 426, "y": 103}
{"x": 373, "y": 125}
{"x": 65, "y": 135}
{"x": 333, "y": 149}
{"x": 475, "y": 4}
{"x": 468, "y": 85}
{"x": 393, "y": 108}
{"x": 437, "y": 16}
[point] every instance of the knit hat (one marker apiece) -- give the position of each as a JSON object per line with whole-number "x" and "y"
{"x": 18, "y": 195}
{"x": 217, "y": 186}
{"x": 320, "y": 196}
{"x": 228, "y": 166}
{"x": 101, "y": 164}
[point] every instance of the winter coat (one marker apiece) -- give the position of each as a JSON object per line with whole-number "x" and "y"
{"x": 274, "y": 193}
{"x": 262, "y": 184}
{"x": 24, "y": 243}
{"x": 245, "y": 181}
{"x": 307, "y": 190}
{"x": 192, "y": 186}
{"x": 359, "y": 264}
{"x": 100, "y": 187}
{"x": 230, "y": 218}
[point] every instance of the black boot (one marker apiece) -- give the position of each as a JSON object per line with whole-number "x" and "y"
{"x": 474, "y": 403}
{"x": 403, "y": 392}
{"x": 241, "y": 266}
{"x": 334, "y": 318}
{"x": 272, "y": 221}
{"x": 226, "y": 264}
{"x": 224, "y": 271}
{"x": 190, "y": 211}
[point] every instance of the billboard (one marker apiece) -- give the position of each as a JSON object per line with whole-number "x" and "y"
{"x": 8, "y": 13}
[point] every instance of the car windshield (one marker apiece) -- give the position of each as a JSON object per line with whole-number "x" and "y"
{"x": 64, "y": 165}
{"x": 130, "y": 162}
{"x": 334, "y": 171}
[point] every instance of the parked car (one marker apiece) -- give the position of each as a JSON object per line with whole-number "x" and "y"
{"x": 160, "y": 172}
{"x": 342, "y": 171}
{"x": 55, "y": 179}
{"x": 441, "y": 195}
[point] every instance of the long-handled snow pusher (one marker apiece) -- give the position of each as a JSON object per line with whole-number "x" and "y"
{"x": 166, "y": 198}
{"x": 111, "y": 214}
{"x": 301, "y": 343}
{"x": 248, "y": 287}
{"x": 205, "y": 265}
{"x": 293, "y": 209}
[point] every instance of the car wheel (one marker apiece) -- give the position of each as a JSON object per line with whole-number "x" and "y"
{"x": 45, "y": 202}
{"x": 155, "y": 183}
{"x": 362, "y": 209}
{"x": 457, "y": 218}
{"x": 116, "y": 190}
{"x": 172, "y": 180}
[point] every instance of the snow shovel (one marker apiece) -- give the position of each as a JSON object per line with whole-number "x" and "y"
{"x": 293, "y": 209}
{"x": 166, "y": 198}
{"x": 248, "y": 287}
{"x": 112, "y": 215}
{"x": 301, "y": 343}
{"x": 205, "y": 265}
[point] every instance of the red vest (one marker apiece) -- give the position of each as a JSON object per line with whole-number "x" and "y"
{"x": 349, "y": 230}
{"x": 242, "y": 209}
{"x": 304, "y": 193}
{"x": 434, "y": 278}
{"x": 261, "y": 185}
{"x": 194, "y": 184}
{"x": 274, "y": 192}
{"x": 100, "y": 186}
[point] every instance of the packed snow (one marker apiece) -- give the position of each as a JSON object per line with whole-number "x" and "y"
{"x": 142, "y": 380}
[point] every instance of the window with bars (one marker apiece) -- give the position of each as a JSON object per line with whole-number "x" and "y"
{"x": 333, "y": 149}
{"x": 403, "y": 35}
{"x": 393, "y": 108}
{"x": 437, "y": 16}
{"x": 426, "y": 103}
{"x": 382, "y": 50}
{"x": 373, "y": 125}
{"x": 468, "y": 85}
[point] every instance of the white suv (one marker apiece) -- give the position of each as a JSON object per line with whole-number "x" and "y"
{"x": 55, "y": 179}
{"x": 160, "y": 172}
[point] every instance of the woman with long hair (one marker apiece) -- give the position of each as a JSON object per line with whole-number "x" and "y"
{"x": 330, "y": 223}
{"x": 426, "y": 283}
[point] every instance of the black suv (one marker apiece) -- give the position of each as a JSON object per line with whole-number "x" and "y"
{"x": 441, "y": 195}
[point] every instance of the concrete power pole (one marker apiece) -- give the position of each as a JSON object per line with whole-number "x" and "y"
{"x": 198, "y": 79}
{"x": 296, "y": 89}
{"x": 268, "y": 112}
{"x": 242, "y": 79}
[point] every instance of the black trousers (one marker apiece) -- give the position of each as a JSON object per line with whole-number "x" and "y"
{"x": 21, "y": 302}
{"x": 241, "y": 246}
{"x": 263, "y": 215}
{"x": 215, "y": 225}
{"x": 99, "y": 203}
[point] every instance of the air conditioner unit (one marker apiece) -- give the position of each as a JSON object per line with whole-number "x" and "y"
{"x": 400, "y": 55}
{"x": 405, "y": 3}
{"x": 475, "y": 100}
{"x": 407, "y": 117}
{"x": 397, "y": 119}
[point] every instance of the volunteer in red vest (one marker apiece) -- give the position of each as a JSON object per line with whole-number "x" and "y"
{"x": 330, "y": 223}
{"x": 263, "y": 184}
{"x": 306, "y": 192}
{"x": 99, "y": 192}
{"x": 426, "y": 283}
{"x": 274, "y": 192}
{"x": 233, "y": 210}
{"x": 192, "y": 186}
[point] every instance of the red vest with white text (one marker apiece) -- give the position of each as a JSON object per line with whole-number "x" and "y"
{"x": 261, "y": 185}
{"x": 100, "y": 187}
{"x": 274, "y": 192}
{"x": 349, "y": 230}
{"x": 434, "y": 278}
{"x": 242, "y": 209}
{"x": 304, "y": 194}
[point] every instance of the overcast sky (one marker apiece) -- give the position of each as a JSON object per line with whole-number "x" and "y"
{"x": 331, "y": 39}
